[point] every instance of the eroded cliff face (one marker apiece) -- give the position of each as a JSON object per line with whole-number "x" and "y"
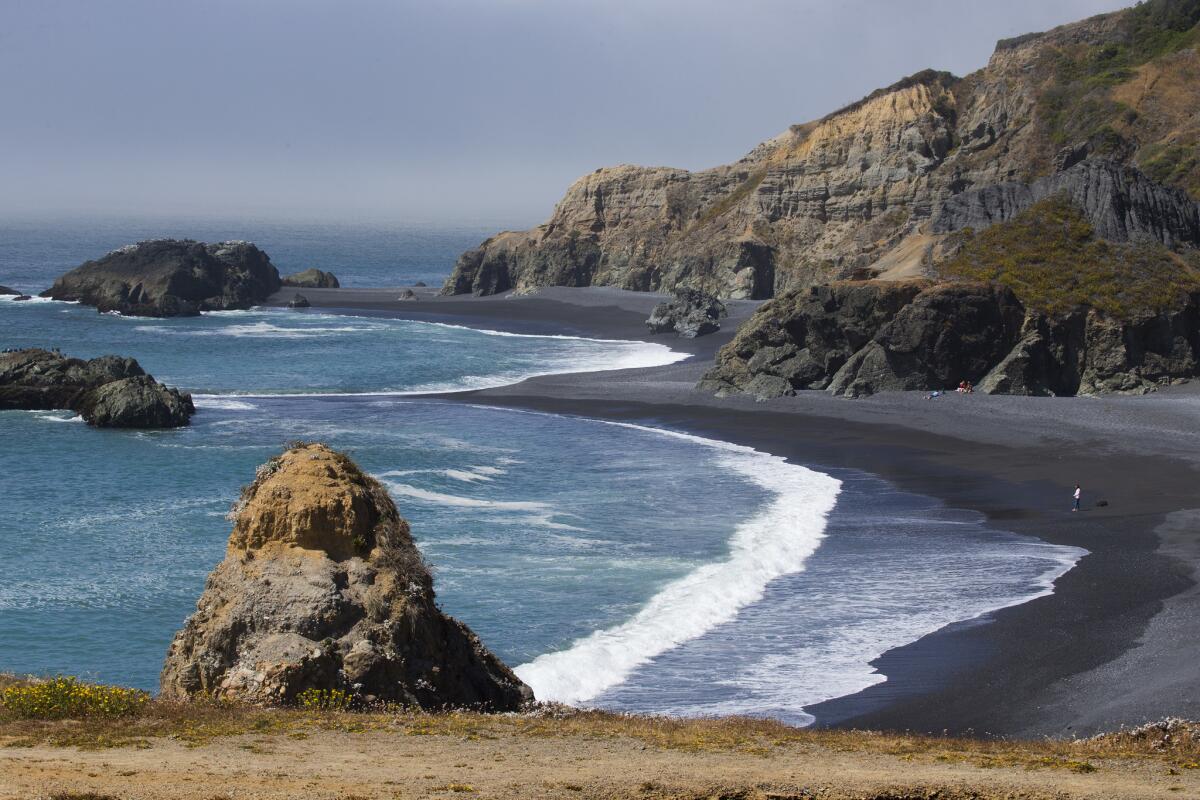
{"x": 856, "y": 193}
{"x": 322, "y": 588}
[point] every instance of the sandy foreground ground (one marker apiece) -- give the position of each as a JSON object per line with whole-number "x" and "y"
{"x": 397, "y": 765}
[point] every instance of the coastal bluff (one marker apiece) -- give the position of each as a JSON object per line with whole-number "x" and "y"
{"x": 1102, "y": 109}
{"x": 323, "y": 588}
{"x": 108, "y": 392}
{"x": 171, "y": 278}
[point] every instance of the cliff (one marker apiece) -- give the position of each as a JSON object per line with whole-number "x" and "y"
{"x": 109, "y": 392}
{"x": 171, "y": 278}
{"x": 855, "y": 338}
{"x": 322, "y": 588}
{"x": 861, "y": 192}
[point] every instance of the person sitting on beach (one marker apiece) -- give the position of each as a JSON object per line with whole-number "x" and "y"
{"x": 962, "y": 387}
{"x": 970, "y": 387}
{"x": 1078, "y": 494}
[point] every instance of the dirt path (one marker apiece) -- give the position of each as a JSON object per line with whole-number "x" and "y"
{"x": 395, "y": 765}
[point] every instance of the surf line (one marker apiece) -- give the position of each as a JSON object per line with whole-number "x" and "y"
{"x": 776, "y": 541}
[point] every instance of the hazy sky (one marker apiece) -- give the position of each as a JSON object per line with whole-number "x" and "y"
{"x": 450, "y": 110}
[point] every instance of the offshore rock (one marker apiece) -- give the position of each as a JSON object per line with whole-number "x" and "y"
{"x": 312, "y": 279}
{"x": 6, "y": 290}
{"x": 322, "y": 588}
{"x": 109, "y": 392}
{"x": 854, "y": 338}
{"x": 691, "y": 313}
{"x": 171, "y": 278}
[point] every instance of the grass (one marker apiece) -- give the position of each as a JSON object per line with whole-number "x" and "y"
{"x": 1051, "y": 258}
{"x": 1173, "y": 743}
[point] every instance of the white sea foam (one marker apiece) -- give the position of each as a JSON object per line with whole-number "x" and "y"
{"x": 222, "y": 403}
{"x": 775, "y": 542}
{"x": 517, "y": 512}
{"x": 840, "y": 665}
{"x": 52, "y": 417}
{"x": 34, "y": 300}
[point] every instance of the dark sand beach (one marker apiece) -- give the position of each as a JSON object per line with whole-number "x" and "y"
{"x": 1113, "y": 645}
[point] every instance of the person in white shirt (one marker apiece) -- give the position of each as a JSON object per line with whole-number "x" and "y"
{"x": 1078, "y": 494}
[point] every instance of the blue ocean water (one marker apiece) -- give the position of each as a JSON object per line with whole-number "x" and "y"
{"x": 615, "y": 565}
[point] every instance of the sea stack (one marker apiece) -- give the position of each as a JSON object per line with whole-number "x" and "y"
{"x": 322, "y": 588}
{"x": 171, "y": 278}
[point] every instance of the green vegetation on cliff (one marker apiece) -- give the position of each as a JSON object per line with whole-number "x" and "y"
{"x": 1083, "y": 100}
{"x": 1051, "y": 258}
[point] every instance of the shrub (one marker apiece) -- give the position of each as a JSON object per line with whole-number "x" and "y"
{"x": 1051, "y": 258}
{"x": 324, "y": 700}
{"x": 68, "y": 697}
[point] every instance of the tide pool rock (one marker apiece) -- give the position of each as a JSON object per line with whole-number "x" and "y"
{"x": 322, "y": 588}
{"x": 312, "y": 279}
{"x": 171, "y": 278}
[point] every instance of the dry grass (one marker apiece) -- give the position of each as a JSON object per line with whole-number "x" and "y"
{"x": 1173, "y": 743}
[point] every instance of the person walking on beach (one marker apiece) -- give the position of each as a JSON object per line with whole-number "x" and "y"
{"x": 1078, "y": 494}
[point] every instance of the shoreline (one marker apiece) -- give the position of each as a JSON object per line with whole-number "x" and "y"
{"x": 1087, "y": 657}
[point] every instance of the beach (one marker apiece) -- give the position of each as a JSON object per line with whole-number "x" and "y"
{"x": 1109, "y": 647}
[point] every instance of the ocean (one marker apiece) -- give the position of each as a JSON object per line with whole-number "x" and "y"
{"x": 613, "y": 565}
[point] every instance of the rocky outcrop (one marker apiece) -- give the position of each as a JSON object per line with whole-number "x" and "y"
{"x": 312, "y": 279}
{"x": 1119, "y": 202}
{"x": 6, "y": 290}
{"x": 854, "y": 193}
{"x": 322, "y": 588}
{"x": 689, "y": 314}
{"x": 109, "y": 392}
{"x": 171, "y": 278}
{"x": 298, "y": 301}
{"x": 859, "y": 337}
{"x": 407, "y": 294}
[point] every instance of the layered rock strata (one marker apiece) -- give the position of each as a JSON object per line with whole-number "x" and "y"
{"x": 855, "y": 338}
{"x": 109, "y": 392}
{"x": 323, "y": 588}
{"x": 171, "y": 278}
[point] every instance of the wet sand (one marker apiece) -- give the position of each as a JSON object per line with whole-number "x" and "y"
{"x": 1113, "y": 645}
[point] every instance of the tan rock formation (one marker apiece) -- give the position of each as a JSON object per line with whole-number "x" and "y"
{"x": 322, "y": 588}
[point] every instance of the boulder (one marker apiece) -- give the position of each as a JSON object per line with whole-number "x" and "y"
{"x": 420, "y": 284}
{"x": 171, "y": 277}
{"x": 110, "y": 391}
{"x": 691, "y": 313}
{"x": 22, "y": 297}
{"x": 312, "y": 279}
{"x": 323, "y": 588}
{"x": 407, "y": 294}
{"x": 298, "y": 301}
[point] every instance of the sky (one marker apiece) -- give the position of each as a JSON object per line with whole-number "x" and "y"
{"x": 443, "y": 111}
